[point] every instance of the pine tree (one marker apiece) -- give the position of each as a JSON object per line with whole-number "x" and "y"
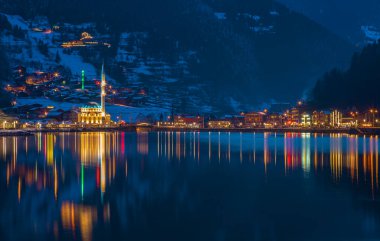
{"x": 43, "y": 48}
{"x": 57, "y": 58}
{"x": 4, "y": 66}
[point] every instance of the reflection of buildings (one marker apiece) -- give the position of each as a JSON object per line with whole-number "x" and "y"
{"x": 292, "y": 154}
{"x": 99, "y": 151}
{"x": 43, "y": 165}
{"x": 143, "y": 143}
{"x": 82, "y": 218}
{"x": 91, "y": 148}
{"x": 94, "y": 114}
{"x": 306, "y": 152}
{"x": 57, "y": 170}
{"x": 97, "y": 156}
{"x": 336, "y": 155}
{"x": 50, "y": 148}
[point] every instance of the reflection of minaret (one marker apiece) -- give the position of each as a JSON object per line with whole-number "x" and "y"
{"x": 102, "y": 157}
{"x": 103, "y": 94}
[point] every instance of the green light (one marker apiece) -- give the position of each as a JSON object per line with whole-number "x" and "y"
{"x": 82, "y": 180}
{"x": 82, "y": 79}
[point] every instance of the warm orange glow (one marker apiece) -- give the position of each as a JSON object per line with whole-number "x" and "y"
{"x": 75, "y": 216}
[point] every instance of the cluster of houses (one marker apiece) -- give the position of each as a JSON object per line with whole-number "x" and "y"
{"x": 60, "y": 86}
{"x": 55, "y": 86}
{"x": 26, "y": 84}
{"x": 295, "y": 117}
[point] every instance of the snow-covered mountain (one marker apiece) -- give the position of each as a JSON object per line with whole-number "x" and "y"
{"x": 356, "y": 21}
{"x": 25, "y": 50}
{"x": 199, "y": 55}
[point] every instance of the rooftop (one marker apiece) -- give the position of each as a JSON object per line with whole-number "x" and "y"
{"x": 91, "y": 105}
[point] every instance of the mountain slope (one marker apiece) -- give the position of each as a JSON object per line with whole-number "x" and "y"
{"x": 344, "y": 17}
{"x": 233, "y": 52}
{"x": 356, "y": 87}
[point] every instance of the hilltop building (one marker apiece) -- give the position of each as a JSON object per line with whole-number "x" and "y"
{"x": 86, "y": 40}
{"x": 94, "y": 114}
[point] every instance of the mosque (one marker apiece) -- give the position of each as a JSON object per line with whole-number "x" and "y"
{"x": 93, "y": 114}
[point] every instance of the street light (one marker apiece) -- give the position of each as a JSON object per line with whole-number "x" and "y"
{"x": 373, "y": 111}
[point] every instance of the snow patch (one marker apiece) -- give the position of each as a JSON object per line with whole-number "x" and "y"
{"x": 274, "y": 13}
{"x": 16, "y": 20}
{"x": 262, "y": 29}
{"x": 169, "y": 80}
{"x": 250, "y": 16}
{"x": 143, "y": 69}
{"x": 76, "y": 64}
{"x": 371, "y": 32}
{"x": 220, "y": 15}
{"x": 234, "y": 104}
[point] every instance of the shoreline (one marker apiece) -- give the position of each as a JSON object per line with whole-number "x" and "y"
{"x": 134, "y": 128}
{"x": 352, "y": 131}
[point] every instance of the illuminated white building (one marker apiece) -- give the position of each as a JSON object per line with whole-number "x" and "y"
{"x": 335, "y": 118}
{"x": 305, "y": 120}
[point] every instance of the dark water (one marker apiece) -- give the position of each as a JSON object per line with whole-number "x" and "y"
{"x": 193, "y": 186}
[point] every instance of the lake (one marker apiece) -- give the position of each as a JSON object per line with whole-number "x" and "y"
{"x": 189, "y": 186}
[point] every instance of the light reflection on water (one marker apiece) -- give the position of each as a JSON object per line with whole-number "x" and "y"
{"x": 69, "y": 185}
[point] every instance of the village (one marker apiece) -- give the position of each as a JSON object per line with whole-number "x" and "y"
{"x": 52, "y": 97}
{"x": 80, "y": 97}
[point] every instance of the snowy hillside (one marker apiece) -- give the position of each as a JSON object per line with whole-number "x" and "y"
{"x": 25, "y": 52}
{"x": 371, "y": 33}
{"x": 158, "y": 77}
{"x": 346, "y": 18}
{"x": 191, "y": 56}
